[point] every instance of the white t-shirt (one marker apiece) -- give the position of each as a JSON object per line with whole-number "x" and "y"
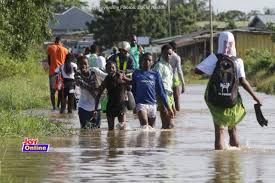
{"x": 101, "y": 62}
{"x": 64, "y": 74}
{"x": 208, "y": 65}
{"x": 86, "y": 100}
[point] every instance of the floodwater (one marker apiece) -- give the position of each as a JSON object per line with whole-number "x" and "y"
{"x": 184, "y": 154}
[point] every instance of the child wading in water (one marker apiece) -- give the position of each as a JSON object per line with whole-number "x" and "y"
{"x": 147, "y": 84}
{"x": 89, "y": 80}
{"x": 222, "y": 96}
{"x": 165, "y": 70}
{"x": 116, "y": 84}
{"x": 67, "y": 71}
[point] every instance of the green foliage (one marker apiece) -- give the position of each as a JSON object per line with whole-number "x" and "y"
{"x": 190, "y": 76}
{"x": 23, "y": 24}
{"x": 116, "y": 21}
{"x": 13, "y": 124}
{"x": 271, "y": 27}
{"x": 260, "y": 67}
{"x": 59, "y": 6}
{"x": 232, "y": 15}
{"x": 24, "y": 85}
{"x": 231, "y": 25}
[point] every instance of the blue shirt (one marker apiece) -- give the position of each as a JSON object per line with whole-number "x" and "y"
{"x": 146, "y": 86}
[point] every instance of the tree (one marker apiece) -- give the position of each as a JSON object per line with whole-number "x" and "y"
{"x": 232, "y": 15}
{"x": 22, "y": 24}
{"x": 59, "y": 6}
{"x": 116, "y": 21}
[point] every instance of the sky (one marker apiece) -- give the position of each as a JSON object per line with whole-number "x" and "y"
{"x": 225, "y": 5}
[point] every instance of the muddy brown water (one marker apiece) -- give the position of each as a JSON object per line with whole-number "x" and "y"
{"x": 184, "y": 154}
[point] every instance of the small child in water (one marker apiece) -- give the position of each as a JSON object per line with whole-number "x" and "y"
{"x": 146, "y": 86}
{"x": 116, "y": 84}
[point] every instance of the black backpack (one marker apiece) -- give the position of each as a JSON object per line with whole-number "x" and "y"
{"x": 223, "y": 84}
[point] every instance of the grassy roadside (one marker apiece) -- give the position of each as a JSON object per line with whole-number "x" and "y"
{"x": 24, "y": 85}
{"x": 260, "y": 68}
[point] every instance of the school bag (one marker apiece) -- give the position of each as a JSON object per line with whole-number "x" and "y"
{"x": 223, "y": 84}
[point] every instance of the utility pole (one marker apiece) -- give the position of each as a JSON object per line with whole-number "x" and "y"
{"x": 169, "y": 18}
{"x": 211, "y": 27}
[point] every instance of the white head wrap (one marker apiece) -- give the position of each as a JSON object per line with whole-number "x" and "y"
{"x": 227, "y": 44}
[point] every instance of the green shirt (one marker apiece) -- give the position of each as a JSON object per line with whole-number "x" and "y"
{"x": 166, "y": 73}
{"x": 134, "y": 52}
{"x": 93, "y": 60}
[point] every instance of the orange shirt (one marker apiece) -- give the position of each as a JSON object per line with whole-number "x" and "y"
{"x": 57, "y": 54}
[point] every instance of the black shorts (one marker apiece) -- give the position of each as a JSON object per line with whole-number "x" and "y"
{"x": 115, "y": 110}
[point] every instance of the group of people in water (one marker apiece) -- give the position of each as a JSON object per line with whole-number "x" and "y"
{"x": 132, "y": 76}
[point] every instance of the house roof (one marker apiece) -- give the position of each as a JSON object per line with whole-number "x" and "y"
{"x": 264, "y": 19}
{"x": 73, "y": 19}
{"x": 200, "y": 36}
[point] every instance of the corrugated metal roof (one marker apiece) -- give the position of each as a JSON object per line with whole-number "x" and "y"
{"x": 189, "y": 39}
{"x": 267, "y": 18}
{"x": 72, "y": 19}
{"x": 264, "y": 19}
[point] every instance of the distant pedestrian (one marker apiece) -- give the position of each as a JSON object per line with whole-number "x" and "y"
{"x": 93, "y": 56}
{"x": 123, "y": 60}
{"x": 178, "y": 79}
{"x": 222, "y": 96}
{"x": 56, "y": 57}
{"x": 135, "y": 51}
{"x": 67, "y": 71}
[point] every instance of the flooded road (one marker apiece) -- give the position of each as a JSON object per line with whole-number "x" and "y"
{"x": 184, "y": 154}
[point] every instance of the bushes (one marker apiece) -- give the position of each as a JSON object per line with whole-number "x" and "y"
{"x": 24, "y": 85}
{"x": 260, "y": 66}
{"x": 190, "y": 76}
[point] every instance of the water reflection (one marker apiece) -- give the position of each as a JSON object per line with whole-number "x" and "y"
{"x": 90, "y": 144}
{"x": 226, "y": 167}
{"x": 165, "y": 137}
{"x": 116, "y": 141}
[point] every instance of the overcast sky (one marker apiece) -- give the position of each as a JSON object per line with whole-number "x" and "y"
{"x": 224, "y": 5}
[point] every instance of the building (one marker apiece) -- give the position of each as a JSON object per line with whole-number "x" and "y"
{"x": 196, "y": 46}
{"x": 72, "y": 21}
{"x": 261, "y": 21}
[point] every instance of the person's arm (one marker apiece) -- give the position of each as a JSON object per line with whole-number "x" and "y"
{"x": 130, "y": 65}
{"x": 97, "y": 98}
{"x": 180, "y": 73}
{"x": 245, "y": 84}
{"x": 99, "y": 73}
{"x": 162, "y": 94}
{"x": 134, "y": 84}
{"x": 127, "y": 80}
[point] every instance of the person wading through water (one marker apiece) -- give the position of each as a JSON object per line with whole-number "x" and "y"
{"x": 222, "y": 96}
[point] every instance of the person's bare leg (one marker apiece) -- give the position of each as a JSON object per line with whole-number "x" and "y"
{"x": 142, "y": 116}
{"x": 176, "y": 94}
{"x": 111, "y": 122}
{"x": 122, "y": 120}
{"x": 151, "y": 122}
{"x": 165, "y": 119}
{"x": 233, "y": 139}
{"x": 53, "y": 98}
{"x": 219, "y": 138}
